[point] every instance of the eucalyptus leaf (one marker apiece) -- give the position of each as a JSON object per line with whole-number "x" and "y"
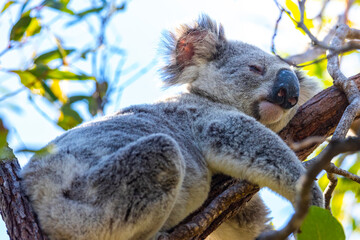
{"x": 7, "y": 5}
{"x": 47, "y": 57}
{"x": 319, "y": 224}
{"x": 18, "y": 30}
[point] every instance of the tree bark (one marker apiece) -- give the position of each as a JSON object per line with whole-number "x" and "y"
{"x": 318, "y": 117}
{"x": 15, "y": 208}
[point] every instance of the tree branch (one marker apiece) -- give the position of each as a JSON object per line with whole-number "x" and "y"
{"x": 15, "y": 208}
{"x": 303, "y": 198}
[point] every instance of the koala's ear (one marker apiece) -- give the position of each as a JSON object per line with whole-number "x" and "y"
{"x": 190, "y": 47}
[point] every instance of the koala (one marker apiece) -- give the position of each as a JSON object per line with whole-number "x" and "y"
{"x": 137, "y": 173}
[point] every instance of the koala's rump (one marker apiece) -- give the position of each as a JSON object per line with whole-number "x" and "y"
{"x": 51, "y": 177}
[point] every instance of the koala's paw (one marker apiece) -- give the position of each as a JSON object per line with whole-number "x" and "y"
{"x": 317, "y": 196}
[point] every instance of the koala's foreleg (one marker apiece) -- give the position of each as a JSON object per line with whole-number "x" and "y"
{"x": 239, "y": 146}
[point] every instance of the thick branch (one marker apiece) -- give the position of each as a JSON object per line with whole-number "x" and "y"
{"x": 317, "y": 117}
{"x": 15, "y": 208}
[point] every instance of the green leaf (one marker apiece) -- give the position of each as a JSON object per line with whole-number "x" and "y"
{"x": 45, "y": 58}
{"x": 93, "y": 106}
{"x": 3, "y": 135}
{"x": 7, "y": 5}
{"x": 66, "y": 75}
{"x": 18, "y": 30}
{"x": 49, "y": 93}
{"x": 26, "y": 77}
{"x": 40, "y": 71}
{"x": 43, "y": 72}
{"x": 294, "y": 9}
{"x": 319, "y": 224}
{"x": 30, "y": 81}
{"x": 77, "y": 98}
{"x": 69, "y": 118}
{"x": 33, "y": 28}
{"x": 60, "y": 5}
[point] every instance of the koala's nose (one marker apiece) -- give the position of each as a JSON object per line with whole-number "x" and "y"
{"x": 286, "y": 89}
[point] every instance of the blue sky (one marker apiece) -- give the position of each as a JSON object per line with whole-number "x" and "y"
{"x": 140, "y": 28}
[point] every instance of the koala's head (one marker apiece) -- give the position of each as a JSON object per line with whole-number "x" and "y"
{"x": 235, "y": 73}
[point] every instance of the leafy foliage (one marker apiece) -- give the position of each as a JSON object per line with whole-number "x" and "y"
{"x": 47, "y": 70}
{"x": 321, "y": 225}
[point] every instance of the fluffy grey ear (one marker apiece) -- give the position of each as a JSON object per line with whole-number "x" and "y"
{"x": 190, "y": 47}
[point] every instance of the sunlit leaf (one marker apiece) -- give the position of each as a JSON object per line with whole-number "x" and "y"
{"x": 319, "y": 224}
{"x": 93, "y": 106}
{"x": 55, "y": 88}
{"x": 58, "y": 74}
{"x": 48, "y": 92}
{"x": 33, "y": 28}
{"x": 355, "y": 168}
{"x": 18, "y": 30}
{"x": 294, "y": 9}
{"x": 7, "y": 5}
{"x": 337, "y": 203}
{"x": 319, "y": 70}
{"x": 69, "y": 118}
{"x": 42, "y": 71}
{"x": 3, "y": 135}
{"x": 323, "y": 182}
{"x": 47, "y": 57}
{"x": 26, "y": 78}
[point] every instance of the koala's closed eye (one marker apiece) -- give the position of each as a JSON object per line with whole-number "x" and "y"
{"x": 257, "y": 69}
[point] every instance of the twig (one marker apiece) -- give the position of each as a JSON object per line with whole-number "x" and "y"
{"x": 305, "y": 184}
{"x": 331, "y": 168}
{"x": 330, "y": 189}
{"x": 347, "y": 85}
{"x": 307, "y": 142}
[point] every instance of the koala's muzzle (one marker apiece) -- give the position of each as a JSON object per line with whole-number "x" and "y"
{"x": 286, "y": 89}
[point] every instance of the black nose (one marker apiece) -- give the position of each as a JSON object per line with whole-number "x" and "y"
{"x": 286, "y": 89}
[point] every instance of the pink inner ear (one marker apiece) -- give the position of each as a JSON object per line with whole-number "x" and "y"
{"x": 185, "y": 48}
{"x": 185, "y": 51}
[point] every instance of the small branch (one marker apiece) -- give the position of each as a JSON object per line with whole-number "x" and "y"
{"x": 330, "y": 189}
{"x": 211, "y": 216}
{"x": 305, "y": 184}
{"x": 317, "y": 117}
{"x": 347, "y": 85}
{"x": 306, "y": 143}
{"x": 331, "y": 168}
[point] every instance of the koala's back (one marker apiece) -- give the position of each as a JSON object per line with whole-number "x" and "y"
{"x": 66, "y": 186}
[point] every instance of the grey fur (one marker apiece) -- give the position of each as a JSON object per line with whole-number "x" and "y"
{"x": 139, "y": 172}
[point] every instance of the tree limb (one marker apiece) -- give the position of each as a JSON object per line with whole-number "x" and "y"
{"x": 15, "y": 207}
